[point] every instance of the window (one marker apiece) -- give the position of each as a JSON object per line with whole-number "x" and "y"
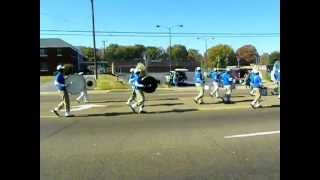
{"x": 44, "y": 67}
{"x": 59, "y": 52}
{"x": 43, "y": 52}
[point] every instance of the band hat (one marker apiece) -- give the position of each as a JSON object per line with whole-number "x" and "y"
{"x": 59, "y": 67}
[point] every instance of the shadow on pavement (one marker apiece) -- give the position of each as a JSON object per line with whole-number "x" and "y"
{"x": 272, "y": 106}
{"x": 165, "y": 104}
{"x": 232, "y": 102}
{"x": 163, "y": 99}
{"x": 247, "y": 100}
{"x": 219, "y": 102}
{"x": 108, "y": 101}
{"x": 238, "y": 96}
{"x": 128, "y": 113}
{"x": 173, "y": 111}
{"x": 118, "y": 101}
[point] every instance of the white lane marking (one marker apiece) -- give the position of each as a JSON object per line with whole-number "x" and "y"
{"x": 253, "y": 134}
{"x": 48, "y": 116}
{"x": 84, "y": 106}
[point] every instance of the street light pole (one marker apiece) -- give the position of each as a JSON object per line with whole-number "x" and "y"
{"x": 169, "y": 28}
{"x": 94, "y": 42}
{"x": 170, "y": 48}
{"x": 206, "y": 48}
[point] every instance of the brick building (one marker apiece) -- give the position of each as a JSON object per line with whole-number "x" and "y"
{"x": 56, "y": 51}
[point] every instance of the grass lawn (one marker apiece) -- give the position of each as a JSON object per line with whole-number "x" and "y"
{"x": 46, "y": 79}
{"x": 106, "y": 82}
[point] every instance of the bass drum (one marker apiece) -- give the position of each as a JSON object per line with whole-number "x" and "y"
{"x": 150, "y": 84}
{"x": 90, "y": 83}
{"x": 75, "y": 84}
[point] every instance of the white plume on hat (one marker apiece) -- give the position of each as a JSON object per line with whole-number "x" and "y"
{"x": 198, "y": 69}
{"x": 59, "y": 67}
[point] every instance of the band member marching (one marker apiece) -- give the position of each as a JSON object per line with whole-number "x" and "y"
{"x": 215, "y": 76}
{"x": 131, "y": 82}
{"x": 83, "y": 95}
{"x": 138, "y": 89}
{"x": 257, "y": 85}
{"x": 227, "y": 80}
{"x": 199, "y": 82}
{"x": 61, "y": 86}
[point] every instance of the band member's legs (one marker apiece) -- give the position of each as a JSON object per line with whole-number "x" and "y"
{"x": 215, "y": 89}
{"x": 257, "y": 99}
{"x": 140, "y": 99}
{"x": 65, "y": 101}
{"x": 61, "y": 104}
{"x": 132, "y": 96}
{"x": 200, "y": 95}
{"x": 228, "y": 93}
{"x": 251, "y": 91}
{"x": 81, "y": 96}
{"x": 85, "y": 95}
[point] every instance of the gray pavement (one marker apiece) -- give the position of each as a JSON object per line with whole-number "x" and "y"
{"x": 176, "y": 139}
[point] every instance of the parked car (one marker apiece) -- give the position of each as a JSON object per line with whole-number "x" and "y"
{"x": 180, "y": 75}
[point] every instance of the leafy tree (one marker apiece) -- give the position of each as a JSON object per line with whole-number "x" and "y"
{"x": 111, "y": 52}
{"x": 88, "y": 52}
{"x": 220, "y": 56}
{"x": 138, "y": 50}
{"x": 178, "y": 53}
{"x": 264, "y": 59}
{"x": 247, "y": 54}
{"x": 153, "y": 52}
{"x": 194, "y": 55}
{"x": 274, "y": 56}
{"x": 115, "y": 52}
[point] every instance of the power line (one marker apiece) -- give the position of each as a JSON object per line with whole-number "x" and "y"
{"x": 135, "y": 32}
{"x": 153, "y": 36}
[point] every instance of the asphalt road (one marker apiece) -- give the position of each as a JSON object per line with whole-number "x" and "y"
{"x": 186, "y": 144}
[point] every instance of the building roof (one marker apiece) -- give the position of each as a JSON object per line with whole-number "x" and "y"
{"x": 54, "y": 43}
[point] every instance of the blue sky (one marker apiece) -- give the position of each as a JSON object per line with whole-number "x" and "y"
{"x": 205, "y": 16}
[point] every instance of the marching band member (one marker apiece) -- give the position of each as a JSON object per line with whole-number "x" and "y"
{"x": 131, "y": 82}
{"x": 257, "y": 85}
{"x": 277, "y": 80}
{"x": 83, "y": 95}
{"x": 199, "y": 82}
{"x": 227, "y": 85}
{"x": 214, "y": 75}
{"x": 138, "y": 89}
{"x": 61, "y": 86}
{"x": 250, "y": 82}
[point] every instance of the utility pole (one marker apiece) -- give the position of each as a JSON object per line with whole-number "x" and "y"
{"x": 94, "y": 42}
{"x": 104, "y": 50}
{"x": 169, "y": 28}
{"x": 170, "y": 48}
{"x": 205, "y": 54}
